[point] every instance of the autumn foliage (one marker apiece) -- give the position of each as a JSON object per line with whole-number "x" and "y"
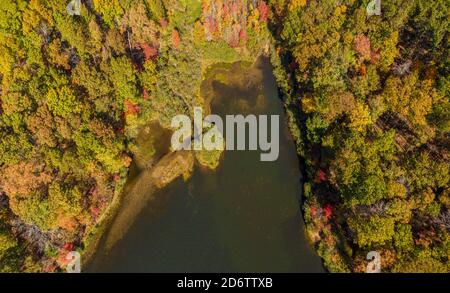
{"x": 176, "y": 39}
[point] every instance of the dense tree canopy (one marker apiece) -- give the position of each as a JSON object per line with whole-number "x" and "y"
{"x": 367, "y": 99}
{"x": 75, "y": 91}
{"x": 370, "y": 94}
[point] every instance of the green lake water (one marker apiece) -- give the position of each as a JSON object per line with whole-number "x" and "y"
{"x": 243, "y": 217}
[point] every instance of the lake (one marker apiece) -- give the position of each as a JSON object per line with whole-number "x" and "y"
{"x": 243, "y": 217}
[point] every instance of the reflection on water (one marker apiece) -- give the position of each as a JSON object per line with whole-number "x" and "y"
{"x": 243, "y": 217}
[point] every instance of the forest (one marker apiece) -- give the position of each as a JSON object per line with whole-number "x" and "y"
{"x": 367, "y": 98}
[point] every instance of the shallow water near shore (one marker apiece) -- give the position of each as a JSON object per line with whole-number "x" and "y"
{"x": 243, "y": 217}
